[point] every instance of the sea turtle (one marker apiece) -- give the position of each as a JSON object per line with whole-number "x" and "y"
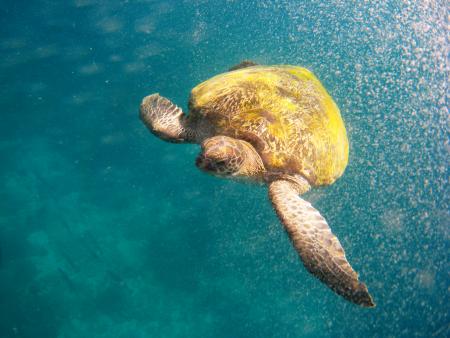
{"x": 276, "y": 125}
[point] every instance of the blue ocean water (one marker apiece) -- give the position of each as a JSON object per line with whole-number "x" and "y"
{"x": 107, "y": 231}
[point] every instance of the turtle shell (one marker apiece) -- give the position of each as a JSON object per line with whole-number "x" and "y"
{"x": 284, "y": 111}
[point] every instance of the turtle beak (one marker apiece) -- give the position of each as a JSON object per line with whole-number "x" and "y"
{"x": 199, "y": 161}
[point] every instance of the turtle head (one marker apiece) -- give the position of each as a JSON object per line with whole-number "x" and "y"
{"x": 228, "y": 157}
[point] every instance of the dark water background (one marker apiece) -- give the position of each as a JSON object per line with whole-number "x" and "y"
{"x": 106, "y": 231}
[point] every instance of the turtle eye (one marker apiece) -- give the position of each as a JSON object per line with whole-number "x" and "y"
{"x": 222, "y": 167}
{"x": 221, "y": 163}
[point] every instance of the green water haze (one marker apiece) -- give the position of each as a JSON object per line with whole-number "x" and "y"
{"x": 107, "y": 231}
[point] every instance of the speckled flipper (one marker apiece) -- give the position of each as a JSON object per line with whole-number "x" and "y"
{"x": 319, "y": 249}
{"x": 165, "y": 119}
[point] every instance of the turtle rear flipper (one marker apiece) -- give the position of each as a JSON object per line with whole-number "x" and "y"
{"x": 318, "y": 247}
{"x": 165, "y": 119}
{"x": 243, "y": 64}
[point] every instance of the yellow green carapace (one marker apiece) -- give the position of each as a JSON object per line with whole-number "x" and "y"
{"x": 284, "y": 111}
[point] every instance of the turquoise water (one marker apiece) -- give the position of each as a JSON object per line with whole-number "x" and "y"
{"x": 106, "y": 231}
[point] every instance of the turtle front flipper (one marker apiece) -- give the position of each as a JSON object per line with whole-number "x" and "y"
{"x": 165, "y": 119}
{"x": 318, "y": 247}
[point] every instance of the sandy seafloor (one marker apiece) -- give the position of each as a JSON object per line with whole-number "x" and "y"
{"x": 106, "y": 231}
